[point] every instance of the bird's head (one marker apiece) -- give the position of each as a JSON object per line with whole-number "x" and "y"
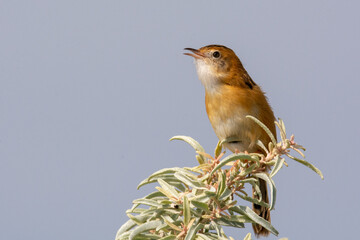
{"x": 215, "y": 65}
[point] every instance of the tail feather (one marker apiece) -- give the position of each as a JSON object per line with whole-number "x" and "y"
{"x": 262, "y": 211}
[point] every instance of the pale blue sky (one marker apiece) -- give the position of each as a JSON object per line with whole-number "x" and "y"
{"x": 91, "y": 91}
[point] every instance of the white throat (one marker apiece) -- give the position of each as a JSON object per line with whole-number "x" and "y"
{"x": 207, "y": 76}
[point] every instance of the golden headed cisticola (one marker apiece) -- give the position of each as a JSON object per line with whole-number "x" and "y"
{"x": 230, "y": 95}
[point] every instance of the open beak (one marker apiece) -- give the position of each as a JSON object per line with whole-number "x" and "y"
{"x": 196, "y": 53}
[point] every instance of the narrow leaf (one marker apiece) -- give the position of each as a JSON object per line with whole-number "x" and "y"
{"x": 254, "y": 200}
{"x": 229, "y": 222}
{"x": 203, "y": 198}
{"x": 309, "y": 165}
{"x": 248, "y": 170}
{"x": 225, "y": 194}
{"x": 266, "y": 129}
{"x": 192, "y": 143}
{"x": 200, "y": 159}
{"x": 201, "y": 205}
{"x": 161, "y": 173}
{"x": 217, "y": 227}
{"x": 172, "y": 225}
{"x": 207, "y": 237}
{"x": 193, "y": 230}
{"x": 166, "y": 193}
{"x": 272, "y": 187}
{"x": 255, "y": 218}
{"x": 154, "y": 195}
{"x": 186, "y": 211}
{"x": 138, "y": 219}
{"x": 278, "y": 164}
{"x": 167, "y": 187}
{"x": 144, "y": 227}
{"x": 218, "y": 149}
{"x": 248, "y": 236}
{"x": 125, "y": 227}
{"x": 221, "y": 184}
{"x": 190, "y": 182}
{"x": 232, "y": 157}
{"x": 281, "y": 126}
{"x": 171, "y": 237}
{"x": 148, "y": 202}
{"x": 261, "y": 144}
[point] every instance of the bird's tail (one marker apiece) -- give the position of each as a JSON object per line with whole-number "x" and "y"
{"x": 262, "y": 211}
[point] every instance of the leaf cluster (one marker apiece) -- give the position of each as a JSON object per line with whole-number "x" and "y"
{"x": 197, "y": 202}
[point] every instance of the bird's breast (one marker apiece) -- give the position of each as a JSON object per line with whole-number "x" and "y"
{"x": 227, "y": 110}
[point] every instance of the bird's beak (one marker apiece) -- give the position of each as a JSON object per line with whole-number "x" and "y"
{"x": 196, "y": 53}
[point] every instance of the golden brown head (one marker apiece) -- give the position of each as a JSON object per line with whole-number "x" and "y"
{"x": 217, "y": 64}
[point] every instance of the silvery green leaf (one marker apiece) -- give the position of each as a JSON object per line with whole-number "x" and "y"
{"x": 203, "y": 198}
{"x": 148, "y": 202}
{"x": 189, "y": 181}
{"x": 144, "y": 227}
{"x": 177, "y": 185}
{"x": 138, "y": 219}
{"x": 166, "y": 174}
{"x": 218, "y": 149}
{"x": 261, "y": 144}
{"x": 248, "y": 236}
{"x": 167, "y": 218}
{"x": 164, "y": 225}
{"x": 123, "y": 236}
{"x": 173, "y": 224}
{"x": 256, "y": 190}
{"x": 210, "y": 194}
{"x": 282, "y": 129}
{"x": 193, "y": 230}
{"x": 201, "y": 205}
{"x": 221, "y": 184}
{"x": 206, "y": 237}
{"x": 249, "y": 180}
{"x": 186, "y": 211}
{"x": 154, "y": 195}
{"x": 232, "y": 157}
{"x": 200, "y": 159}
{"x": 229, "y": 222}
{"x": 136, "y": 210}
{"x": 255, "y": 218}
{"x": 218, "y": 228}
{"x": 309, "y": 165}
{"x": 169, "y": 171}
{"x": 192, "y": 143}
{"x": 240, "y": 218}
{"x": 147, "y": 236}
{"x": 266, "y": 129}
{"x": 144, "y": 236}
{"x": 278, "y": 164}
{"x": 171, "y": 237}
{"x": 272, "y": 187}
{"x": 254, "y": 200}
{"x": 167, "y": 187}
{"x": 163, "y": 173}
{"x": 153, "y": 212}
{"x": 195, "y": 144}
{"x": 248, "y": 170}
{"x": 225, "y": 194}
{"x": 125, "y": 227}
{"x": 187, "y": 172}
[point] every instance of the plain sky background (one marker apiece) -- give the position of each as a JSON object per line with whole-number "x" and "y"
{"x": 91, "y": 91}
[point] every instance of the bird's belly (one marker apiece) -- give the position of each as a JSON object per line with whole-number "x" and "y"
{"x": 236, "y": 128}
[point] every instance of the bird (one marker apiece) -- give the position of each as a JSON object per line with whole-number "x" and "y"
{"x": 231, "y": 95}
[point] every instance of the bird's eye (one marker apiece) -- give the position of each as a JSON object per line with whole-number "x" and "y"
{"x": 216, "y": 54}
